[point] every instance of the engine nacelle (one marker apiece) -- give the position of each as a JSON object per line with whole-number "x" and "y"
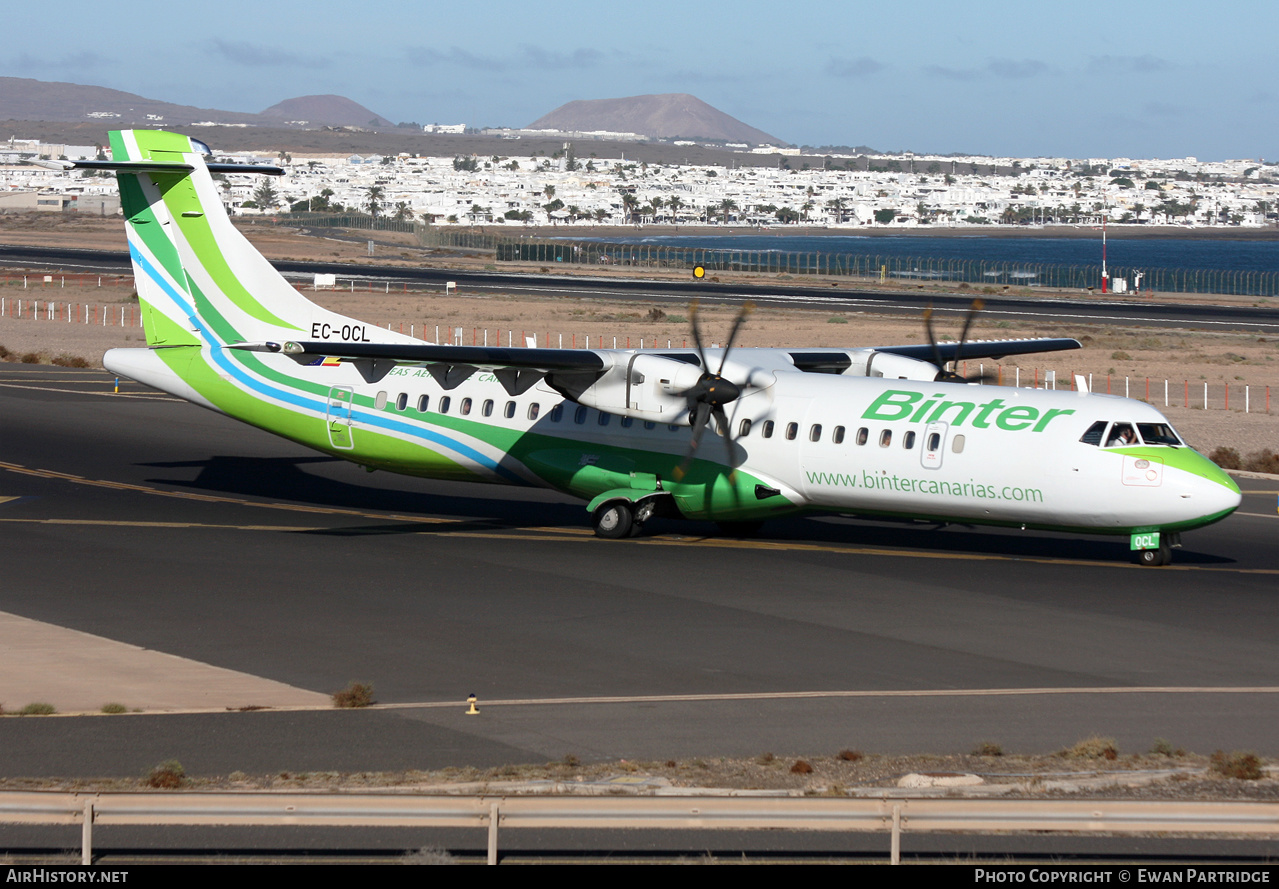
{"x": 644, "y": 386}
{"x": 895, "y": 367}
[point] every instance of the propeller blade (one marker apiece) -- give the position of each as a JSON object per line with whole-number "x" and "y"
{"x": 742, "y": 315}
{"x": 976, "y": 307}
{"x": 701, "y": 414}
{"x": 697, "y": 333}
{"x": 932, "y": 339}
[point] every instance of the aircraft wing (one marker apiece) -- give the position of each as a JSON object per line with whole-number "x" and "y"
{"x": 983, "y": 348}
{"x": 478, "y": 357}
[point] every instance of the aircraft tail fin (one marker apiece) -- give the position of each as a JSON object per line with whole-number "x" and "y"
{"x": 199, "y": 279}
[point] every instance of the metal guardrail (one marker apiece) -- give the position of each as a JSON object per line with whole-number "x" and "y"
{"x": 893, "y": 816}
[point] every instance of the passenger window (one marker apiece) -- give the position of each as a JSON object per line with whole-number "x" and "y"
{"x": 815, "y": 433}
{"x": 768, "y": 428}
{"x": 885, "y": 438}
{"x": 557, "y": 412}
{"x": 533, "y": 410}
{"x": 908, "y": 440}
{"x": 792, "y": 429}
{"x": 838, "y": 435}
{"x": 423, "y": 402}
{"x": 626, "y": 422}
{"x": 445, "y": 401}
{"x": 379, "y": 401}
{"x": 934, "y": 442}
{"x": 604, "y": 418}
{"x": 957, "y": 444}
{"x": 402, "y": 401}
{"x": 672, "y": 427}
{"x": 509, "y": 410}
{"x": 487, "y": 410}
{"x": 650, "y": 425}
{"x": 744, "y": 429}
{"x": 1094, "y": 433}
{"x": 863, "y": 436}
{"x": 579, "y": 416}
{"x": 465, "y": 407}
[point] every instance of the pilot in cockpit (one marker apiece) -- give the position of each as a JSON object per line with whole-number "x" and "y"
{"x": 1121, "y": 435}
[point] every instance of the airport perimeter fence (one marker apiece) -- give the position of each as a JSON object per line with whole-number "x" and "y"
{"x": 1239, "y": 396}
{"x": 869, "y": 267}
{"x": 882, "y": 268}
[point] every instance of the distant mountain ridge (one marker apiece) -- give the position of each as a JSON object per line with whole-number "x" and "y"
{"x": 22, "y": 98}
{"x": 662, "y": 116}
{"x": 332, "y": 110}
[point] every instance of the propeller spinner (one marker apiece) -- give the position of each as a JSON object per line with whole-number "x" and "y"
{"x": 706, "y": 398}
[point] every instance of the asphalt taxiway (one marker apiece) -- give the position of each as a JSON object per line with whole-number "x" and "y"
{"x": 165, "y": 529}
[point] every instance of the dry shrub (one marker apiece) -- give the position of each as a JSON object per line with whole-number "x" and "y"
{"x": 1226, "y": 458}
{"x": 801, "y": 768}
{"x": 31, "y": 358}
{"x": 167, "y": 775}
{"x": 1094, "y": 747}
{"x": 1242, "y": 765}
{"x": 38, "y": 708}
{"x": 988, "y": 748}
{"x": 851, "y": 755}
{"x": 70, "y": 361}
{"x": 1264, "y": 460}
{"x": 430, "y": 855}
{"x": 356, "y": 694}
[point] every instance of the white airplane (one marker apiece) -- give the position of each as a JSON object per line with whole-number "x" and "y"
{"x": 884, "y": 432}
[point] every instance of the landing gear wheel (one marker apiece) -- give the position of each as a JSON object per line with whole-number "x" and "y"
{"x": 1155, "y": 557}
{"x": 614, "y": 520}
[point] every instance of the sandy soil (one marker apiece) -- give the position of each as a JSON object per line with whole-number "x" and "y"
{"x": 1128, "y": 357}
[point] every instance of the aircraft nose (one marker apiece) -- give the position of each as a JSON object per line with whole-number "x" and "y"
{"x": 1216, "y": 493}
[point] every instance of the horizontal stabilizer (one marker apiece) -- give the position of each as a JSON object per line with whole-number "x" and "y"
{"x": 152, "y": 166}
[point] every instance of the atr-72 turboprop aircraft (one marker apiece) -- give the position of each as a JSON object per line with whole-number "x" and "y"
{"x": 876, "y": 432}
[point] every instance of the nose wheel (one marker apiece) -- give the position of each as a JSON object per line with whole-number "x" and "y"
{"x": 1154, "y": 558}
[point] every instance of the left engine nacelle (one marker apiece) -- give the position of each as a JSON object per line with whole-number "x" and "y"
{"x": 645, "y": 386}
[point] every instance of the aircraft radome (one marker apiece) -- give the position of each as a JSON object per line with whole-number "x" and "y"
{"x": 885, "y": 432}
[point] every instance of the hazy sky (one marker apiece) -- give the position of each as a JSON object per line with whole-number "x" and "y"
{"x": 1083, "y": 79}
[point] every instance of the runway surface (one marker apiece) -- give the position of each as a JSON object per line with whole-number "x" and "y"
{"x": 1048, "y": 308}
{"x": 146, "y": 521}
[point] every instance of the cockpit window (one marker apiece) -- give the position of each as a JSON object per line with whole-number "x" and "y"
{"x": 1094, "y": 433}
{"x": 1121, "y": 435}
{"x": 1158, "y": 434}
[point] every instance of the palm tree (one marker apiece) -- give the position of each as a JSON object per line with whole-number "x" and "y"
{"x": 727, "y": 207}
{"x": 630, "y": 205}
{"x": 373, "y": 199}
{"x": 674, "y": 204}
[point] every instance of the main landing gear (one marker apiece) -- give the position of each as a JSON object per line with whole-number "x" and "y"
{"x": 620, "y": 518}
